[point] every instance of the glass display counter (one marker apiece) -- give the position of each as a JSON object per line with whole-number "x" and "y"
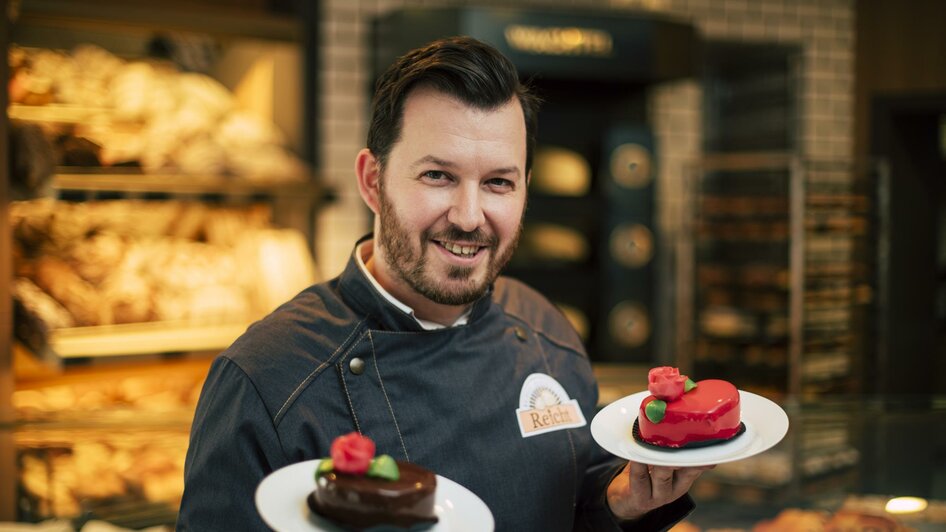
{"x": 846, "y": 464}
{"x": 838, "y": 468}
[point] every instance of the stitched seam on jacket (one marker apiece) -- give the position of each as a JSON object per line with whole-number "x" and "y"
{"x": 568, "y": 433}
{"x": 340, "y": 367}
{"x": 259, "y": 397}
{"x": 305, "y": 382}
{"x": 351, "y": 405}
{"x": 385, "y": 393}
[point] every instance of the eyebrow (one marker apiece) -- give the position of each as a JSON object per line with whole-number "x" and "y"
{"x": 447, "y": 164}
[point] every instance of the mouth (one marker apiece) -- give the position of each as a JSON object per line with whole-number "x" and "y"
{"x": 460, "y": 250}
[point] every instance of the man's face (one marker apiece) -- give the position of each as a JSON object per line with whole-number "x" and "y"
{"x": 452, "y": 197}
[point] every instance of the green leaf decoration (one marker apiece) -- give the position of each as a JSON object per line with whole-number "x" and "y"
{"x": 655, "y": 410}
{"x": 384, "y": 467}
{"x": 325, "y": 466}
{"x": 688, "y": 385}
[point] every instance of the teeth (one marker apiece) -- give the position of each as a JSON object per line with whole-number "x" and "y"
{"x": 460, "y": 250}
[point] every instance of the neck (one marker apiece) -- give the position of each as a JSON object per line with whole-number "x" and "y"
{"x": 423, "y": 308}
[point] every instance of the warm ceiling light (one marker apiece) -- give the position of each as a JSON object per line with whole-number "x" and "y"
{"x": 905, "y": 505}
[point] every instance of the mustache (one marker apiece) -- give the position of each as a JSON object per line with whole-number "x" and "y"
{"x": 477, "y": 236}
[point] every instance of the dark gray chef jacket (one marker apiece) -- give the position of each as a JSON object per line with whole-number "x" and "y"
{"x": 446, "y": 399}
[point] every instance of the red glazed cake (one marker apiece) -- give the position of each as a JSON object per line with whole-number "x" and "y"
{"x": 681, "y": 413}
{"x": 359, "y": 492}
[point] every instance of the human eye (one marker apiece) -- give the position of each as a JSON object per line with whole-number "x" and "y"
{"x": 435, "y": 176}
{"x": 501, "y": 184}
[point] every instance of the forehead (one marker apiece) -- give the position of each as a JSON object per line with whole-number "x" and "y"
{"x": 436, "y": 123}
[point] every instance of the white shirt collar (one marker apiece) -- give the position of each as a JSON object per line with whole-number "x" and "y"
{"x": 362, "y": 254}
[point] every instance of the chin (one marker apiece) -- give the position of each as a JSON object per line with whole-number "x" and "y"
{"x": 442, "y": 293}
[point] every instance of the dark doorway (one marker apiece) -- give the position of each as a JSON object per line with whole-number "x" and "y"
{"x": 907, "y": 139}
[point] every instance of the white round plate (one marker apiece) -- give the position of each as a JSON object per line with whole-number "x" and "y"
{"x": 281, "y": 501}
{"x": 766, "y": 424}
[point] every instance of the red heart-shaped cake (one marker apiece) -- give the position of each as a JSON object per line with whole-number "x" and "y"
{"x": 681, "y": 413}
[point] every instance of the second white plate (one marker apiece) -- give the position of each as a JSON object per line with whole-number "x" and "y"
{"x": 766, "y": 424}
{"x": 281, "y": 501}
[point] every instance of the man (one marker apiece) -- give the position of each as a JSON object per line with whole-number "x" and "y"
{"x": 419, "y": 344}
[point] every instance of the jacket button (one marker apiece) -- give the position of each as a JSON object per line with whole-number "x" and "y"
{"x": 357, "y": 366}
{"x": 521, "y": 334}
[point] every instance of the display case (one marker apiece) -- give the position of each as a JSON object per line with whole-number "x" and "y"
{"x": 783, "y": 260}
{"x": 176, "y": 129}
{"x": 779, "y": 263}
{"x": 156, "y": 151}
{"x": 847, "y": 463}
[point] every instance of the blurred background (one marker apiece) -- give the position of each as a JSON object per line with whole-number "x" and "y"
{"x": 749, "y": 190}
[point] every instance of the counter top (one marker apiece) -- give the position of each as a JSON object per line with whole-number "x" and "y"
{"x": 848, "y": 455}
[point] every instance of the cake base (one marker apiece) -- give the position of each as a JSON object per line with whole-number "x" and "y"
{"x": 636, "y": 432}
{"x": 416, "y": 527}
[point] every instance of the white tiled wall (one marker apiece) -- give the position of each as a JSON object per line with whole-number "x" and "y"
{"x": 824, "y": 29}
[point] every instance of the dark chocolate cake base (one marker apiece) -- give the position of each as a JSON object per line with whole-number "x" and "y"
{"x": 357, "y": 502}
{"x": 418, "y": 527}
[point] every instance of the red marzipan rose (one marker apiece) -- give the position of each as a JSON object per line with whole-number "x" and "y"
{"x": 352, "y": 453}
{"x": 666, "y": 383}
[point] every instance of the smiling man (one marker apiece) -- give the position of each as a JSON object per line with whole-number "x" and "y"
{"x": 420, "y": 343}
{"x": 449, "y": 198}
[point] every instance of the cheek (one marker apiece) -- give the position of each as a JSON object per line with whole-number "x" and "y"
{"x": 418, "y": 213}
{"x": 505, "y": 218}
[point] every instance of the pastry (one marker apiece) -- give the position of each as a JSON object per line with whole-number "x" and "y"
{"x": 359, "y": 491}
{"x": 682, "y": 413}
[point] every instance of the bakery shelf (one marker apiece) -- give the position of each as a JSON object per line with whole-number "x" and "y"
{"x": 121, "y": 180}
{"x": 143, "y": 338}
{"x": 60, "y": 113}
{"x": 181, "y": 16}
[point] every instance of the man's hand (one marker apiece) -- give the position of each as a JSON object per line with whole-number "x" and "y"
{"x": 641, "y": 488}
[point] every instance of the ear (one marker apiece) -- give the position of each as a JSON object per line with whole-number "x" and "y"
{"x": 369, "y": 179}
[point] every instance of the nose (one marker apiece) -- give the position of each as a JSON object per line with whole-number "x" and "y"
{"x": 467, "y": 210}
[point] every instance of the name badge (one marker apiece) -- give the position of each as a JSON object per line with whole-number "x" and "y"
{"x": 544, "y": 406}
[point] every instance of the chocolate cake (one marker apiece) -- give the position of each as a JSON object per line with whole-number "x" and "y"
{"x": 359, "y": 491}
{"x": 360, "y": 502}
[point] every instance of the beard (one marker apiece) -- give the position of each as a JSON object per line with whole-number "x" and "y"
{"x": 410, "y": 263}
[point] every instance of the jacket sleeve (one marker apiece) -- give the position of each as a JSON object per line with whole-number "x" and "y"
{"x": 593, "y": 512}
{"x": 233, "y": 445}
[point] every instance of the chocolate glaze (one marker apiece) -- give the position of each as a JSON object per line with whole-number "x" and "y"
{"x": 359, "y": 502}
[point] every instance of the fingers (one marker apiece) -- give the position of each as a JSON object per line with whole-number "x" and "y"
{"x": 666, "y": 484}
{"x": 640, "y": 481}
{"x": 647, "y": 487}
{"x": 662, "y": 482}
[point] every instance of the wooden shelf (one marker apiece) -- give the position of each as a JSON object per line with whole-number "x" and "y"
{"x": 59, "y": 113}
{"x": 122, "y": 180}
{"x": 163, "y": 16}
{"x": 143, "y": 338}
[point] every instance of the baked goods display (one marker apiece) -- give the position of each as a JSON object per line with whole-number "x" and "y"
{"x": 106, "y": 440}
{"x": 358, "y": 490}
{"x": 131, "y": 261}
{"x": 108, "y": 111}
{"x": 843, "y": 520}
{"x": 681, "y": 413}
{"x": 811, "y": 520}
{"x": 61, "y": 471}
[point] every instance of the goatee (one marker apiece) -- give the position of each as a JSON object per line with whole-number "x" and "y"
{"x": 410, "y": 263}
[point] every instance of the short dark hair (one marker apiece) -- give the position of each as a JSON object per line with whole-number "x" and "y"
{"x": 463, "y": 67}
